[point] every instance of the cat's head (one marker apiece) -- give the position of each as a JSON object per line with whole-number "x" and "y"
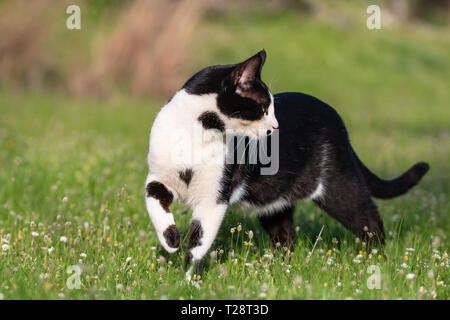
{"x": 244, "y": 103}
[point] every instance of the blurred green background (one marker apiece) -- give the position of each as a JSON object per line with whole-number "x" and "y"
{"x": 109, "y": 78}
{"x": 76, "y": 108}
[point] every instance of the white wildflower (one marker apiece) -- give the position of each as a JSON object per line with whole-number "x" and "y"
{"x": 410, "y": 276}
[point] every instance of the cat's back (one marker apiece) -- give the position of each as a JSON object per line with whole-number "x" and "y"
{"x": 297, "y": 105}
{"x": 305, "y": 115}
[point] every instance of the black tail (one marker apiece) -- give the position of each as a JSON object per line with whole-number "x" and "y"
{"x": 385, "y": 189}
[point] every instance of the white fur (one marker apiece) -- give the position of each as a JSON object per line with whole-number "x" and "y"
{"x": 318, "y": 193}
{"x": 320, "y": 190}
{"x": 238, "y": 193}
{"x": 271, "y": 120}
{"x": 274, "y": 206}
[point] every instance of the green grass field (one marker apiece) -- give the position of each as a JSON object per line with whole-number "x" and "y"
{"x": 73, "y": 171}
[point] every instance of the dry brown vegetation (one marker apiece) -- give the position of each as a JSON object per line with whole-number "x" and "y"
{"x": 147, "y": 50}
{"x": 25, "y": 30}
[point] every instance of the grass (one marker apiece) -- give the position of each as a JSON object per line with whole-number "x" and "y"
{"x": 74, "y": 170}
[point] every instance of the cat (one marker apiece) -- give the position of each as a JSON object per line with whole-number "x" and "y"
{"x": 316, "y": 161}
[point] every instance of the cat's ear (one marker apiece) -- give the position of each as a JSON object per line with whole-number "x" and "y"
{"x": 245, "y": 73}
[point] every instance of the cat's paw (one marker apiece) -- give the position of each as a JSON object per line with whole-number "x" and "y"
{"x": 170, "y": 239}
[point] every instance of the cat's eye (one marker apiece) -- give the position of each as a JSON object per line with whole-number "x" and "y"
{"x": 264, "y": 109}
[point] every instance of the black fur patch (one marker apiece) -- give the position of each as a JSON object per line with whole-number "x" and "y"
{"x": 195, "y": 234}
{"x": 159, "y": 191}
{"x": 208, "y": 80}
{"x": 211, "y": 120}
{"x": 186, "y": 175}
{"x": 172, "y": 236}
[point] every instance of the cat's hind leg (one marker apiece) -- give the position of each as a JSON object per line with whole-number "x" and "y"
{"x": 158, "y": 198}
{"x": 347, "y": 199}
{"x": 280, "y": 226}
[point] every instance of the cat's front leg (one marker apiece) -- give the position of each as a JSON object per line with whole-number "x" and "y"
{"x": 158, "y": 198}
{"x": 206, "y": 220}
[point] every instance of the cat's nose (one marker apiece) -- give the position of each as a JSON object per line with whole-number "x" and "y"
{"x": 274, "y": 123}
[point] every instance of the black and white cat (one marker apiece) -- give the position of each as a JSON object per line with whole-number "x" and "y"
{"x": 316, "y": 161}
